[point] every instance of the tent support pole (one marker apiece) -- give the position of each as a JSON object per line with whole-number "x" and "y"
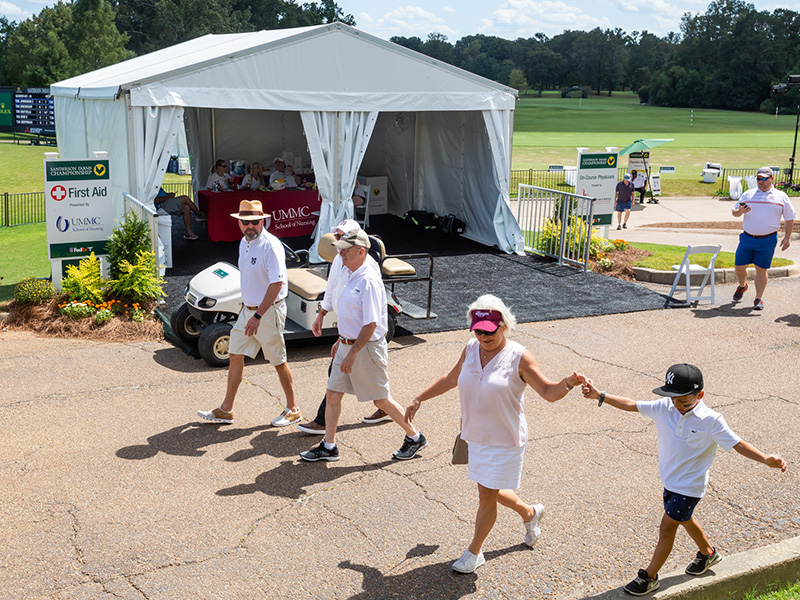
{"x": 214, "y": 135}
{"x": 336, "y": 154}
{"x": 132, "y": 183}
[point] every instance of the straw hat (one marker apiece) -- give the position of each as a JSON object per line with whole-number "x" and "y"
{"x": 250, "y": 210}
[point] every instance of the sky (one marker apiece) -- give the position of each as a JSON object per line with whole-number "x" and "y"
{"x": 510, "y": 19}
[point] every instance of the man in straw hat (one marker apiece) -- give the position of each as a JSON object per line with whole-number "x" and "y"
{"x": 262, "y": 265}
{"x": 360, "y": 357}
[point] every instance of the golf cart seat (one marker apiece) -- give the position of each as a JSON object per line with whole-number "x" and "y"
{"x": 395, "y": 269}
{"x": 306, "y": 283}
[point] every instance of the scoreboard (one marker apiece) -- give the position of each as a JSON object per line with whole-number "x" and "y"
{"x": 33, "y": 111}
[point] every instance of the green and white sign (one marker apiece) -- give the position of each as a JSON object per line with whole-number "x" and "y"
{"x": 78, "y": 208}
{"x": 597, "y": 178}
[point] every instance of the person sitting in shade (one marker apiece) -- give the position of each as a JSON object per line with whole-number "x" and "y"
{"x": 219, "y": 180}
{"x": 254, "y": 180}
{"x": 283, "y": 171}
{"x": 179, "y": 205}
{"x": 359, "y": 196}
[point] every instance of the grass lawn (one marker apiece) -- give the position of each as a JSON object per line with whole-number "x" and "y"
{"x": 665, "y": 256}
{"x": 548, "y": 130}
{"x": 788, "y": 592}
{"x": 23, "y": 253}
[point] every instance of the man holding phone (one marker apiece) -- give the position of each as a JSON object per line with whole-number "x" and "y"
{"x": 762, "y": 209}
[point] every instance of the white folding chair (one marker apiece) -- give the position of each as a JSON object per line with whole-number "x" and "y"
{"x": 687, "y": 270}
{"x": 363, "y": 219}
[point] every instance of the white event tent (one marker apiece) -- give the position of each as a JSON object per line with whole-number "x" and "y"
{"x": 353, "y": 103}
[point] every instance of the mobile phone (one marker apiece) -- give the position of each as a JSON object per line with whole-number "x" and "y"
{"x": 742, "y": 205}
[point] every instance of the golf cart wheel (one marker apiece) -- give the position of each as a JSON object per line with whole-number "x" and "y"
{"x": 391, "y": 323}
{"x": 184, "y": 324}
{"x": 214, "y": 342}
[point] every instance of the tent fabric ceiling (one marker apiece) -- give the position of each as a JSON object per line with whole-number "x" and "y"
{"x": 330, "y": 68}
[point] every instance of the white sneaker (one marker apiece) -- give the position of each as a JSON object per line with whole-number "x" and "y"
{"x": 532, "y": 529}
{"x": 468, "y": 562}
{"x": 286, "y": 418}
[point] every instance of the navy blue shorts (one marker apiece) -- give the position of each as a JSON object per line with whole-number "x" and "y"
{"x": 679, "y": 507}
{"x": 622, "y": 206}
{"x": 756, "y": 251}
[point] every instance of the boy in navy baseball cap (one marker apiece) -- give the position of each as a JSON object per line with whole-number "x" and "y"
{"x": 688, "y": 436}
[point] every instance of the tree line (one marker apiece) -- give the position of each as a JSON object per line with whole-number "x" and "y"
{"x": 728, "y": 57}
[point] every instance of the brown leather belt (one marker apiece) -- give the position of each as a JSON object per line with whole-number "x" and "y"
{"x": 758, "y": 237}
{"x": 256, "y": 308}
{"x": 346, "y": 341}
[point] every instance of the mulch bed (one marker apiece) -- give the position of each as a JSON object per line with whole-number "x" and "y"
{"x": 623, "y": 263}
{"x": 45, "y": 320}
{"x": 711, "y": 225}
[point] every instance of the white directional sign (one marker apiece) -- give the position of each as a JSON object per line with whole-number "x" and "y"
{"x": 597, "y": 178}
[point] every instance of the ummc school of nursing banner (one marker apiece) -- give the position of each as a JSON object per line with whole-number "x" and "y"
{"x": 77, "y": 196}
{"x": 597, "y": 178}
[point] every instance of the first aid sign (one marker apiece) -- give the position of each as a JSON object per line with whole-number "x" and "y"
{"x": 77, "y": 207}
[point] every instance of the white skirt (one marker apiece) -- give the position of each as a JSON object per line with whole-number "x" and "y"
{"x": 496, "y": 468}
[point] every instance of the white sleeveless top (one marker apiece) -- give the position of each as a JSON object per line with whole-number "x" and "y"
{"x": 492, "y": 397}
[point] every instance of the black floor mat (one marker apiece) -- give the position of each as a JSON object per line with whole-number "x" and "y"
{"x": 536, "y": 289}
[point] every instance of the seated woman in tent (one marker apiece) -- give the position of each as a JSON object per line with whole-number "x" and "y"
{"x": 254, "y": 180}
{"x": 219, "y": 180}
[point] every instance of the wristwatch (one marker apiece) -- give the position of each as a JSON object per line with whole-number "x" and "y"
{"x": 602, "y": 399}
{"x": 257, "y": 316}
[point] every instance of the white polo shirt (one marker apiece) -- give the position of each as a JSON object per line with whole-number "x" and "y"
{"x": 261, "y": 263}
{"x": 362, "y": 301}
{"x": 687, "y": 444}
{"x": 337, "y": 278}
{"x": 767, "y": 208}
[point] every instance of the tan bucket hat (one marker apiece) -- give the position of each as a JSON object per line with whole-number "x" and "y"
{"x": 250, "y": 210}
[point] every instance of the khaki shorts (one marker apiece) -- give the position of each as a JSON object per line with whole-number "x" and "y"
{"x": 268, "y": 337}
{"x": 369, "y": 380}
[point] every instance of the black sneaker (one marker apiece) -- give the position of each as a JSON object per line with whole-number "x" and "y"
{"x": 643, "y": 584}
{"x": 703, "y": 562}
{"x": 740, "y": 290}
{"x": 410, "y": 448}
{"x": 321, "y": 453}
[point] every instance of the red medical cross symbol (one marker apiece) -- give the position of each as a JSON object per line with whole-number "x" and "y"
{"x": 58, "y": 193}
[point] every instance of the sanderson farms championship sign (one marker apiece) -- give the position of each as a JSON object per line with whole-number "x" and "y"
{"x": 77, "y": 207}
{"x": 597, "y": 178}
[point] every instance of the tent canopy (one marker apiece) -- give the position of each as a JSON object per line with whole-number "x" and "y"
{"x": 350, "y": 102}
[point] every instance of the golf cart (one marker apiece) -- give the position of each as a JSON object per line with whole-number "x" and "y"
{"x": 213, "y": 300}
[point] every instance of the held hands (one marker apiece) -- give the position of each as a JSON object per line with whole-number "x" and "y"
{"x": 576, "y": 379}
{"x": 589, "y": 391}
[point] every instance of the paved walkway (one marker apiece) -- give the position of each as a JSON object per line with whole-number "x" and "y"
{"x": 113, "y": 489}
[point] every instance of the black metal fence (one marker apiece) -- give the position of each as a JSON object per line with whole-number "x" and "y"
{"x": 725, "y": 186}
{"x": 21, "y": 209}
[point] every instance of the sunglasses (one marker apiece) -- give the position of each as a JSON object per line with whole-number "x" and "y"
{"x": 246, "y": 222}
{"x": 337, "y": 236}
{"x": 486, "y": 333}
{"x": 763, "y": 178}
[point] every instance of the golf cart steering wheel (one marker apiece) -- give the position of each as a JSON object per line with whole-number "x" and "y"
{"x": 292, "y": 255}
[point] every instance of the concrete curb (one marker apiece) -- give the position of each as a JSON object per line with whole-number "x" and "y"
{"x": 720, "y": 275}
{"x": 732, "y": 578}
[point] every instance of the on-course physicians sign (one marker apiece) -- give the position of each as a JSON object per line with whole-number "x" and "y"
{"x": 597, "y": 178}
{"x": 77, "y": 196}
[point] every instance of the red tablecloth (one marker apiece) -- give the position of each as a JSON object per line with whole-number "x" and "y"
{"x": 290, "y": 209}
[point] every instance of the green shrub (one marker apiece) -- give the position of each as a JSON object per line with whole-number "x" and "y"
{"x": 129, "y": 237}
{"x": 103, "y": 316}
{"x": 85, "y": 282}
{"x": 548, "y": 238}
{"x": 139, "y": 281}
{"x": 76, "y": 310}
{"x": 33, "y": 291}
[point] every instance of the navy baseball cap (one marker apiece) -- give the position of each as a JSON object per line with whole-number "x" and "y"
{"x": 681, "y": 380}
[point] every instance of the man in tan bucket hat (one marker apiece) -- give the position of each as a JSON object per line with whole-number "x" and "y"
{"x": 262, "y": 265}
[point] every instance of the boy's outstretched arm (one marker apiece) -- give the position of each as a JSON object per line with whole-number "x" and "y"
{"x": 590, "y": 391}
{"x": 750, "y": 451}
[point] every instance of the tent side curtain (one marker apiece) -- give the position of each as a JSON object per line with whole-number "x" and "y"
{"x": 86, "y": 126}
{"x": 337, "y": 142}
{"x": 157, "y": 131}
{"x": 457, "y": 165}
{"x": 499, "y": 127}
